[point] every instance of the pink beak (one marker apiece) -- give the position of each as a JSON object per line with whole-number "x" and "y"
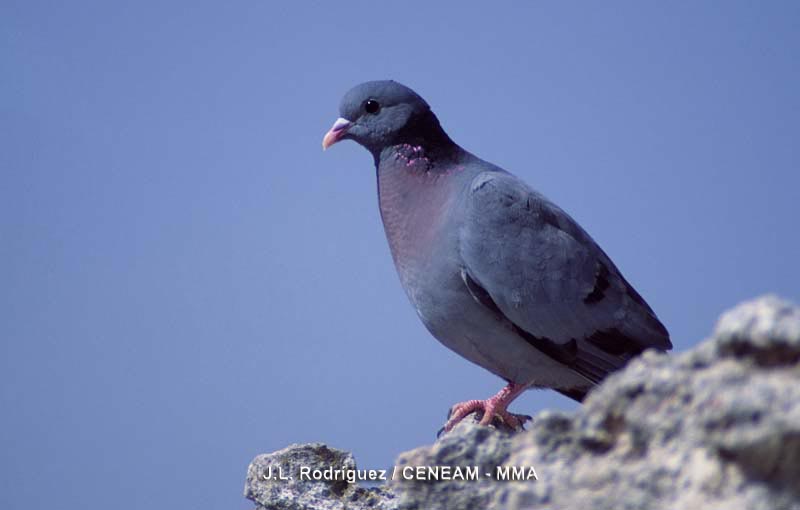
{"x": 336, "y": 133}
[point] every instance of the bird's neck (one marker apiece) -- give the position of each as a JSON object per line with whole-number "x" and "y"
{"x": 418, "y": 155}
{"x": 422, "y": 139}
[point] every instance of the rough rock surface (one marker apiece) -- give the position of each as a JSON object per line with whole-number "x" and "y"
{"x": 274, "y": 481}
{"x": 715, "y": 427}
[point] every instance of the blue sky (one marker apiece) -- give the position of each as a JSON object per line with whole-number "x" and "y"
{"x": 187, "y": 280}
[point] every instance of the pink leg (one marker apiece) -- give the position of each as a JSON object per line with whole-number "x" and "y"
{"x": 491, "y": 407}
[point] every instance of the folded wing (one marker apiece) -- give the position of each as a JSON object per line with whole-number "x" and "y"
{"x": 532, "y": 263}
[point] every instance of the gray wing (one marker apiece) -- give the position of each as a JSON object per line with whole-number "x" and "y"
{"x": 537, "y": 267}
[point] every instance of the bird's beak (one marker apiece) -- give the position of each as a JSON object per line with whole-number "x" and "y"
{"x": 336, "y": 133}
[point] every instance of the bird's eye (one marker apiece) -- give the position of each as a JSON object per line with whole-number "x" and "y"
{"x": 372, "y": 106}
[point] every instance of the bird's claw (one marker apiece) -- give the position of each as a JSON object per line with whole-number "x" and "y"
{"x": 500, "y": 418}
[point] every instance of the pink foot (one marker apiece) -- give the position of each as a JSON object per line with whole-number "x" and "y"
{"x": 495, "y": 406}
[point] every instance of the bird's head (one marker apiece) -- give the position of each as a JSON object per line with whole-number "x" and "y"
{"x": 378, "y": 114}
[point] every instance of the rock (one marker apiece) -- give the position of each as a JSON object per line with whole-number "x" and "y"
{"x": 310, "y": 476}
{"x": 717, "y": 426}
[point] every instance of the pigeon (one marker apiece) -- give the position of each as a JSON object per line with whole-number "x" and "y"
{"x": 496, "y": 272}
